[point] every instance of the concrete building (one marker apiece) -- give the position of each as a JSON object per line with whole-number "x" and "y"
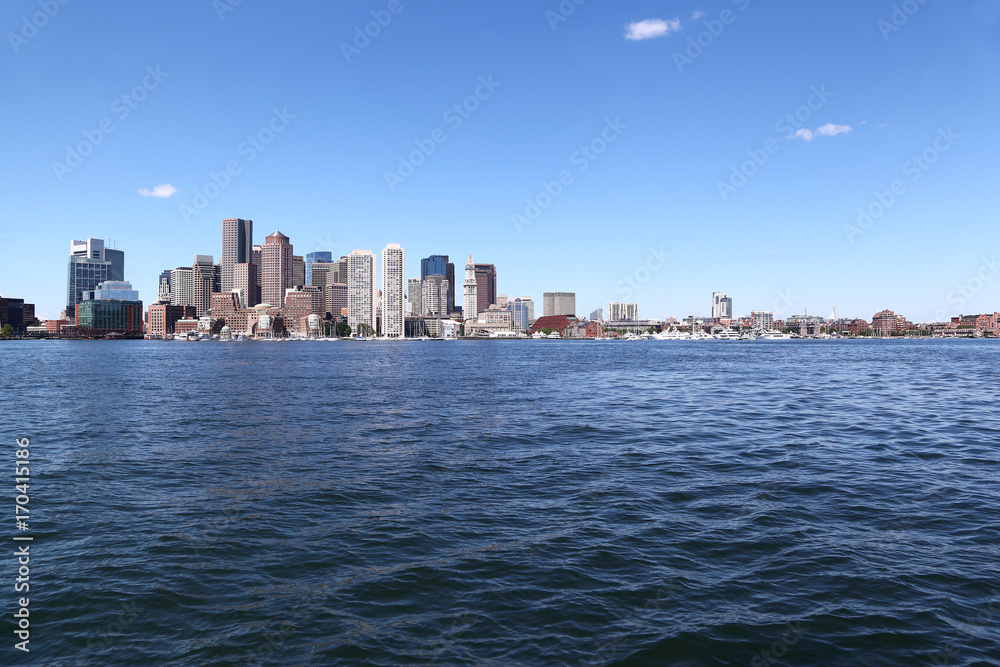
{"x": 312, "y": 258}
{"x": 558, "y": 303}
{"x": 470, "y": 307}
{"x": 182, "y": 286}
{"x": 393, "y": 291}
{"x": 276, "y": 259}
{"x": 722, "y": 306}
{"x": 361, "y": 290}
{"x": 486, "y": 286}
{"x": 237, "y": 248}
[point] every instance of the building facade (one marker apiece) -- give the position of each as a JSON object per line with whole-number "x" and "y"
{"x": 361, "y": 290}
{"x": 393, "y": 291}
{"x": 559, "y": 303}
{"x": 237, "y": 248}
{"x": 276, "y": 260}
{"x": 182, "y": 286}
{"x": 486, "y": 286}
{"x": 312, "y": 258}
{"x": 623, "y": 312}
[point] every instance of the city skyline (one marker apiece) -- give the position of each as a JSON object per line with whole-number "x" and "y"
{"x": 885, "y": 156}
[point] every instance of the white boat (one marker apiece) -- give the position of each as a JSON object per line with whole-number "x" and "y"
{"x": 555, "y": 335}
{"x": 728, "y": 334}
{"x": 773, "y": 335}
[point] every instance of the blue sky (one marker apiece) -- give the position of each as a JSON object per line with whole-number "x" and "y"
{"x": 681, "y": 119}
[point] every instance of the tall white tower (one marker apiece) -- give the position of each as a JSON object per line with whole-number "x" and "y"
{"x": 469, "y": 309}
{"x": 393, "y": 292}
{"x": 361, "y": 290}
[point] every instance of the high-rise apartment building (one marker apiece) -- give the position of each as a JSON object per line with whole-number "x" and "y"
{"x": 762, "y": 320}
{"x": 470, "y": 308}
{"x": 237, "y": 248}
{"x": 393, "y": 291}
{"x": 558, "y": 303}
{"x": 486, "y": 286}
{"x": 623, "y": 312}
{"x": 722, "y": 306}
{"x": 361, "y": 290}
{"x": 313, "y": 257}
{"x": 276, "y": 260}
{"x": 298, "y": 271}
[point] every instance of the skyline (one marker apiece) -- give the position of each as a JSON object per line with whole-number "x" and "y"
{"x": 328, "y": 125}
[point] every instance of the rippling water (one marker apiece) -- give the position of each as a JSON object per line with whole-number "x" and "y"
{"x": 534, "y": 502}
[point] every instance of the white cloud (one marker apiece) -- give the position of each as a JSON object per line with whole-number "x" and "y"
{"x": 828, "y": 130}
{"x": 698, "y": 15}
{"x": 651, "y": 28}
{"x": 164, "y": 191}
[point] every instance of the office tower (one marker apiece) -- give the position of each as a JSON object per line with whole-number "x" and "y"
{"x": 520, "y": 315}
{"x": 321, "y": 273}
{"x": 237, "y": 248}
{"x": 361, "y": 290}
{"x": 414, "y": 294}
{"x": 181, "y": 286}
{"x": 90, "y": 264}
{"x": 434, "y": 294}
{"x": 117, "y": 259}
{"x": 470, "y": 309}
{"x": 255, "y": 257}
{"x": 340, "y": 275}
{"x": 313, "y": 257}
{"x": 558, "y": 303}
{"x": 202, "y": 282}
{"x": 163, "y": 292}
{"x": 245, "y": 279}
{"x": 298, "y": 271}
{"x": 722, "y": 306}
{"x": 438, "y": 265}
{"x": 486, "y": 286}
{"x": 276, "y": 259}
{"x": 393, "y": 291}
{"x": 530, "y": 305}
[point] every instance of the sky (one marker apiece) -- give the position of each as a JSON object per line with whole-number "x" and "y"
{"x": 799, "y": 156}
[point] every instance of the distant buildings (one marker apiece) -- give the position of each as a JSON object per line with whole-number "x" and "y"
{"x": 558, "y": 303}
{"x": 298, "y": 271}
{"x": 486, "y": 286}
{"x": 414, "y": 297}
{"x": 722, "y": 306}
{"x": 622, "y": 312}
{"x": 558, "y": 323}
{"x": 521, "y": 312}
{"x": 361, "y": 290}
{"x": 276, "y": 258}
{"x": 762, "y": 320}
{"x": 886, "y": 321}
{"x": 237, "y": 248}
{"x": 393, "y": 291}
{"x": 470, "y": 306}
{"x": 203, "y": 283}
{"x": 597, "y": 315}
{"x": 15, "y": 312}
{"x": 438, "y": 265}
{"x": 163, "y": 317}
{"x": 435, "y": 295}
{"x": 103, "y": 310}
{"x": 181, "y": 286}
{"x": 90, "y": 264}
{"x": 311, "y": 258}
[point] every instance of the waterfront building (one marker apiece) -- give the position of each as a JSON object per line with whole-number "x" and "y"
{"x": 886, "y": 321}
{"x": 486, "y": 286}
{"x": 111, "y": 316}
{"x": 120, "y": 290}
{"x": 361, "y": 290}
{"x": 182, "y": 286}
{"x": 276, "y": 259}
{"x": 520, "y": 314}
{"x": 301, "y": 301}
{"x": 471, "y": 304}
{"x": 722, "y": 306}
{"x": 762, "y": 320}
{"x": 237, "y": 248}
{"x": 414, "y": 292}
{"x": 163, "y": 316}
{"x": 15, "y": 312}
{"x": 90, "y": 264}
{"x": 298, "y": 271}
{"x": 557, "y": 322}
{"x": 558, "y": 303}
{"x": 393, "y": 291}
{"x": 312, "y": 258}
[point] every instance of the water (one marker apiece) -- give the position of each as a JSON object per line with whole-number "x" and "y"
{"x": 532, "y": 502}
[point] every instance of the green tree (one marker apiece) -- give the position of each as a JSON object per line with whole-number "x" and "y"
{"x": 7, "y": 331}
{"x": 343, "y": 329}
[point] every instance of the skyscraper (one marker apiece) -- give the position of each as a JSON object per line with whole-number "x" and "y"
{"x": 276, "y": 258}
{"x": 361, "y": 290}
{"x": 438, "y": 265}
{"x": 486, "y": 286}
{"x": 414, "y": 294}
{"x": 90, "y": 264}
{"x": 393, "y": 291}
{"x": 470, "y": 308}
{"x": 298, "y": 271}
{"x": 181, "y": 287}
{"x": 237, "y": 248}
{"x": 255, "y": 257}
{"x": 434, "y": 294}
{"x": 312, "y": 257}
{"x": 558, "y": 303}
{"x": 245, "y": 280}
{"x": 202, "y": 278}
{"x": 722, "y": 306}
{"x": 164, "y": 288}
